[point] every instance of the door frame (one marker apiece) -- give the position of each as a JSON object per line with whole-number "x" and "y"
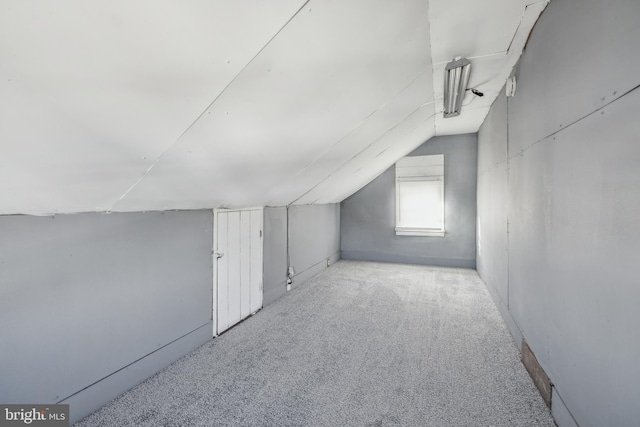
{"x": 214, "y": 258}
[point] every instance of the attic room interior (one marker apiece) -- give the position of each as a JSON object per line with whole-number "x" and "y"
{"x": 320, "y": 212}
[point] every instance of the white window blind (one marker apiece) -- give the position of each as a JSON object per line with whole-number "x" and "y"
{"x": 420, "y": 196}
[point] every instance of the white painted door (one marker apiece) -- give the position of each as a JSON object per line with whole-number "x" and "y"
{"x": 238, "y": 266}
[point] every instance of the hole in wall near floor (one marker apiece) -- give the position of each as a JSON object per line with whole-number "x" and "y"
{"x": 538, "y": 375}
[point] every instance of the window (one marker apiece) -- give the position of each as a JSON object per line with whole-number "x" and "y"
{"x": 420, "y": 196}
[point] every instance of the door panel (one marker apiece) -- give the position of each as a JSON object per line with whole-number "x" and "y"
{"x": 233, "y": 259}
{"x": 245, "y": 263}
{"x": 222, "y": 272}
{"x": 239, "y": 266}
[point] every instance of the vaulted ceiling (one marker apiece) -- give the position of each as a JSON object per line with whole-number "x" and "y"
{"x": 157, "y": 104}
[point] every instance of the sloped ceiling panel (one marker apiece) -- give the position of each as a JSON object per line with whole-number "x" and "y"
{"x": 93, "y": 92}
{"x": 288, "y": 121}
{"x": 342, "y": 153}
{"x": 399, "y": 141}
{"x": 493, "y": 41}
{"x": 492, "y": 36}
{"x": 154, "y": 105}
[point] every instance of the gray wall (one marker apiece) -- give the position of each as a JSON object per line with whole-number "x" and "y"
{"x": 275, "y": 254}
{"x": 311, "y": 233}
{"x": 314, "y": 238}
{"x": 368, "y": 216}
{"x": 92, "y": 304}
{"x": 559, "y": 208}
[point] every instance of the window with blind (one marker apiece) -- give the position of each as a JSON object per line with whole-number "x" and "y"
{"x": 420, "y": 196}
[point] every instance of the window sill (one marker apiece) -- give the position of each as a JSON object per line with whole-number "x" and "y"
{"x": 424, "y": 232}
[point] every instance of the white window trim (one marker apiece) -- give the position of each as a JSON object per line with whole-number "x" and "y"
{"x": 419, "y": 231}
{"x": 425, "y": 232}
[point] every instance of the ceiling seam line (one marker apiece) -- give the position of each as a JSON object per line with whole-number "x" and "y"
{"x": 413, "y": 129}
{"x": 433, "y": 66}
{"x": 366, "y": 119}
{"x": 398, "y": 94}
{"x": 361, "y": 151}
{"x": 243, "y": 68}
{"x": 362, "y": 123}
{"x": 524, "y": 14}
{"x": 515, "y": 33}
{"x": 209, "y": 106}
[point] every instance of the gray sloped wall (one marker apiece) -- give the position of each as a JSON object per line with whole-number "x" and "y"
{"x": 92, "y": 304}
{"x": 274, "y": 254}
{"x": 314, "y": 239}
{"x": 559, "y": 208}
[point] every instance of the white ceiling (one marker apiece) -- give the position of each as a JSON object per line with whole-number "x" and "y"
{"x": 157, "y": 104}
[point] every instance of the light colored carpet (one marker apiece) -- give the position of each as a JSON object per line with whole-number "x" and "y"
{"x": 361, "y": 344}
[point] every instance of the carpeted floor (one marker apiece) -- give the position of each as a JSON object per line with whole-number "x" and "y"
{"x": 361, "y": 344}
